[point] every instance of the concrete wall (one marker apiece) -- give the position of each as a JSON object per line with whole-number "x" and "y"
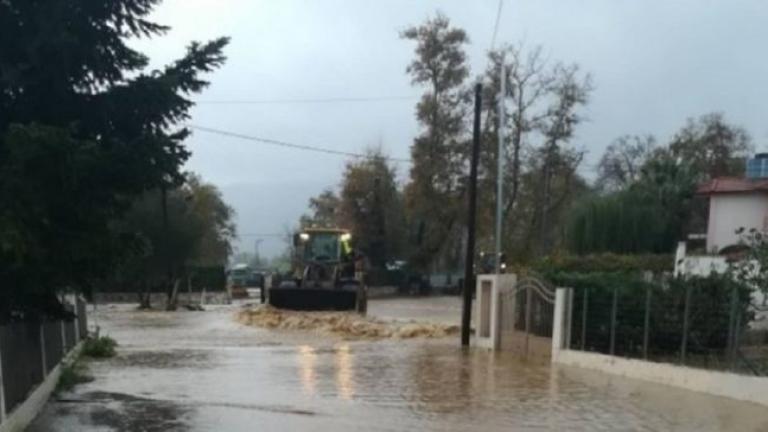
{"x": 740, "y": 387}
{"x": 728, "y": 212}
{"x": 697, "y": 265}
{"x": 488, "y": 288}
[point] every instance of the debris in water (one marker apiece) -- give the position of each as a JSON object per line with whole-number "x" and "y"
{"x": 346, "y": 324}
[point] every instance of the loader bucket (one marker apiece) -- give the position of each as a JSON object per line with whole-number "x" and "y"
{"x": 313, "y": 299}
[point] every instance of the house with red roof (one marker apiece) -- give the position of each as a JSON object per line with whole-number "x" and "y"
{"x": 734, "y": 203}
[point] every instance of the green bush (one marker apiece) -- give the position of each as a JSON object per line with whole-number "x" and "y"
{"x": 72, "y": 375}
{"x": 102, "y": 347}
{"x": 606, "y": 263}
{"x": 708, "y": 318}
{"x": 627, "y": 222}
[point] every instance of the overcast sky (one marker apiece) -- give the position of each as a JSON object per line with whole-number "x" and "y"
{"x": 654, "y": 64}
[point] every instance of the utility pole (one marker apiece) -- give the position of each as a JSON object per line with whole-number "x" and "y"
{"x": 500, "y": 164}
{"x": 466, "y": 311}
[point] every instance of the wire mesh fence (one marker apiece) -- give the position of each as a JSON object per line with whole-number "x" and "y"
{"x": 699, "y": 322}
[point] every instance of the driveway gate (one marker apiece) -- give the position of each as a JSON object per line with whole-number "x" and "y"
{"x": 526, "y": 314}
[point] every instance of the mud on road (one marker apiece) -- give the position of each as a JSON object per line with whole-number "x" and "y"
{"x": 348, "y": 325}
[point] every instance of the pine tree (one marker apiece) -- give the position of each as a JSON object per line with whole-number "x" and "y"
{"x": 84, "y": 128}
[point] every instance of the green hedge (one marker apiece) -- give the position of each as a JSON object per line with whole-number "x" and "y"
{"x": 709, "y": 312}
{"x": 606, "y": 263}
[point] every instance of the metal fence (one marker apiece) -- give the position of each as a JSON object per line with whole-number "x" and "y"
{"x": 698, "y": 324}
{"x": 29, "y": 351}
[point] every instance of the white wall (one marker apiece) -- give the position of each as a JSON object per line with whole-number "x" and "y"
{"x": 488, "y": 288}
{"x": 728, "y": 212}
{"x": 741, "y": 387}
{"x": 701, "y": 265}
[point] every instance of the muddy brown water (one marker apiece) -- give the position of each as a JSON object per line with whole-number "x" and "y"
{"x": 202, "y": 371}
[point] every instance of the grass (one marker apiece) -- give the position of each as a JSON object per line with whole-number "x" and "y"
{"x": 99, "y": 348}
{"x": 72, "y": 375}
{"x": 77, "y": 372}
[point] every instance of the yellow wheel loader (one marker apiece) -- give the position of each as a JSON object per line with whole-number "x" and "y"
{"x": 327, "y": 273}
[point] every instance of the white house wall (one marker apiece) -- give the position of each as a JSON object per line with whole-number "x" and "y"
{"x": 728, "y": 212}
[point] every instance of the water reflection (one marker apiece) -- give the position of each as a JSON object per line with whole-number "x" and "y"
{"x": 442, "y": 383}
{"x": 345, "y": 383}
{"x": 307, "y": 364}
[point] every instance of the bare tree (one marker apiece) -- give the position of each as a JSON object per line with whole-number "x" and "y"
{"x": 542, "y": 102}
{"x": 712, "y": 146}
{"x": 620, "y": 165}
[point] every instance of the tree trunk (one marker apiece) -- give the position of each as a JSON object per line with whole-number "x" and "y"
{"x": 172, "y": 303}
{"x": 145, "y": 297}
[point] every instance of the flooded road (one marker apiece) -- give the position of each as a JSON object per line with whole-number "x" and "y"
{"x": 202, "y": 371}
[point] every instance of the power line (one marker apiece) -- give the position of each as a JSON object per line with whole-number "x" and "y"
{"x": 305, "y": 101}
{"x": 290, "y": 145}
{"x": 496, "y": 26}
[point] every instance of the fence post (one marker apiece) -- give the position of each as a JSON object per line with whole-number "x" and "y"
{"x": 76, "y": 324}
{"x": 63, "y": 339}
{"x": 684, "y": 343}
{"x": 569, "y": 317}
{"x": 585, "y": 304}
{"x": 42, "y": 350}
{"x": 736, "y": 334}
{"x": 559, "y": 322}
{"x": 647, "y": 324}
{"x": 528, "y": 314}
{"x": 731, "y": 346}
{"x": 613, "y": 319}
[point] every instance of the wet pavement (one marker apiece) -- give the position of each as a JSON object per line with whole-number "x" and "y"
{"x": 202, "y": 371}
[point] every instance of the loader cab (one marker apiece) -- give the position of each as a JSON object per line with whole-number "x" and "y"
{"x": 323, "y": 245}
{"x": 325, "y": 274}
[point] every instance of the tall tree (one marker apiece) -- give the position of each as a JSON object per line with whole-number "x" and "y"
{"x": 371, "y": 205}
{"x": 620, "y": 165}
{"x": 433, "y": 197}
{"x": 218, "y": 228}
{"x": 325, "y": 210}
{"x": 570, "y": 91}
{"x": 84, "y": 128}
{"x": 713, "y": 147}
{"x": 650, "y": 215}
{"x": 528, "y": 80}
{"x": 198, "y": 233}
{"x": 542, "y": 102}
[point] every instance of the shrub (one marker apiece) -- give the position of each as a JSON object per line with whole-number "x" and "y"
{"x": 709, "y": 314}
{"x": 72, "y": 375}
{"x": 606, "y": 263}
{"x": 101, "y": 347}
